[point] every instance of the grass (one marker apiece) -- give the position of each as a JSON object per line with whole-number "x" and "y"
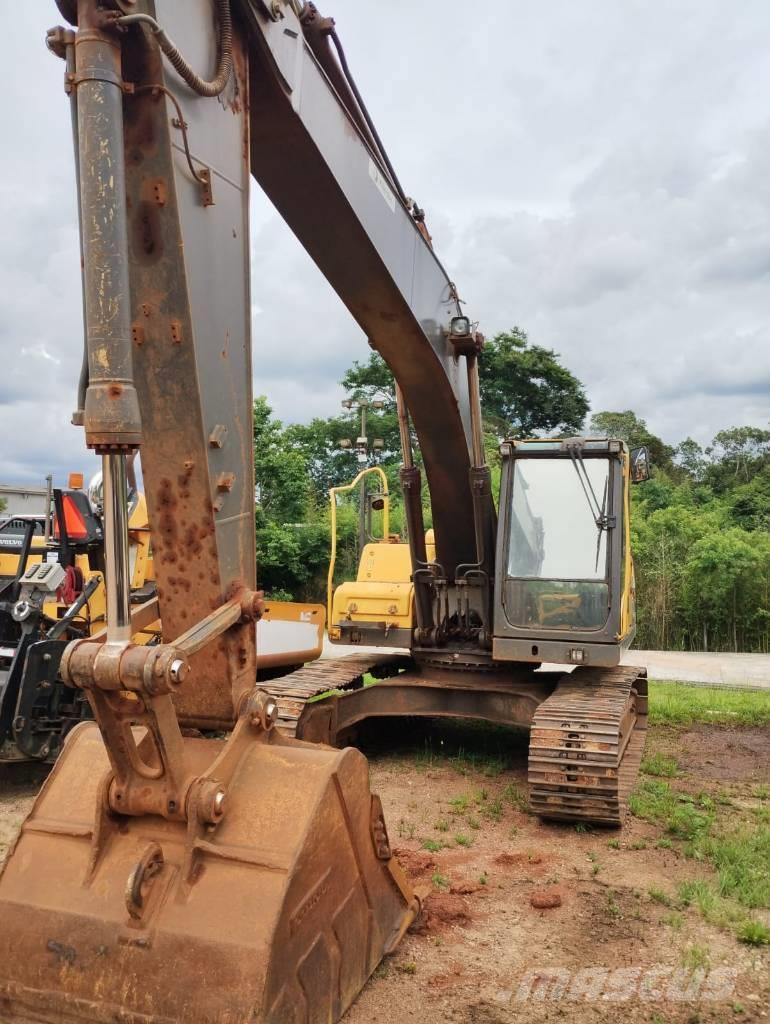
{"x": 516, "y": 797}
{"x": 753, "y": 933}
{"x": 613, "y": 908}
{"x": 493, "y": 809}
{"x": 682, "y": 704}
{"x": 660, "y": 765}
{"x": 741, "y": 858}
{"x": 738, "y": 851}
{"x": 434, "y": 845}
{"x": 658, "y": 896}
{"x": 439, "y": 880}
{"x": 681, "y": 815}
{"x": 408, "y": 968}
{"x": 696, "y": 956}
{"x": 462, "y": 840}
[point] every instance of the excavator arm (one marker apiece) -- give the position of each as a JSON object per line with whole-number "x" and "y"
{"x": 164, "y": 875}
{"x": 287, "y": 114}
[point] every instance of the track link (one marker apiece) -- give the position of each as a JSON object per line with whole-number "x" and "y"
{"x": 293, "y": 691}
{"x": 586, "y": 745}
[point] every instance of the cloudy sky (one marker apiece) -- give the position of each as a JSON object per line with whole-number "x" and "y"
{"x": 597, "y": 172}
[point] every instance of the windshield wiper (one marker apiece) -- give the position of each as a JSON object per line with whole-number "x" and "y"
{"x": 598, "y": 512}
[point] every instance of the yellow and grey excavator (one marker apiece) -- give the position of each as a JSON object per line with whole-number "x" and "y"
{"x": 165, "y": 873}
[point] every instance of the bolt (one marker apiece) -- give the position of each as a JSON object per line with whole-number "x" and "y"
{"x": 271, "y": 713}
{"x": 219, "y": 803}
{"x": 178, "y": 670}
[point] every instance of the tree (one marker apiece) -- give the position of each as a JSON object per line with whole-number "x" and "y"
{"x": 690, "y": 457}
{"x": 737, "y": 455}
{"x": 627, "y": 426}
{"x": 720, "y": 570}
{"x": 280, "y": 469}
{"x": 750, "y": 503}
{"x": 525, "y": 390}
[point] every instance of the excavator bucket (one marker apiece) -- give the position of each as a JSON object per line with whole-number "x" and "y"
{"x": 278, "y": 914}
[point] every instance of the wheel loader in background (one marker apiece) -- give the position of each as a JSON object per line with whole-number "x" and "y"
{"x": 52, "y": 591}
{"x": 166, "y": 874}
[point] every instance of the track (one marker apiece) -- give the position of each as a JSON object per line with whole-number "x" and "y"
{"x": 586, "y": 739}
{"x": 293, "y": 691}
{"x": 586, "y": 745}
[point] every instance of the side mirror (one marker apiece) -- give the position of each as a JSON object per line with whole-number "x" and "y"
{"x": 640, "y": 464}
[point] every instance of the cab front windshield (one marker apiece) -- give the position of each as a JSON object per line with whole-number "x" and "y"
{"x": 557, "y": 545}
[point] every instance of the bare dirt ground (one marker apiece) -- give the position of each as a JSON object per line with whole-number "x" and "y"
{"x": 485, "y": 940}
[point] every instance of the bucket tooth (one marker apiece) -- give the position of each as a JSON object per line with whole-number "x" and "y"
{"x": 294, "y": 897}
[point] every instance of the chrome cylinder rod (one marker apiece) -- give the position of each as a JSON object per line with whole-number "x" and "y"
{"x": 116, "y": 569}
{"x": 477, "y": 426}
{"x": 403, "y": 429}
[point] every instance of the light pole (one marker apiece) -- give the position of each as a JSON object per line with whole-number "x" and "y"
{"x": 362, "y": 454}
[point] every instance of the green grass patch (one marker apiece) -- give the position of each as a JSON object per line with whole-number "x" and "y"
{"x": 462, "y": 840}
{"x": 493, "y": 809}
{"x": 742, "y": 860}
{"x": 516, "y": 797}
{"x": 753, "y": 933}
{"x": 683, "y": 704}
{"x": 434, "y": 845}
{"x": 660, "y": 765}
{"x": 440, "y": 881}
{"x": 658, "y": 896}
{"x": 696, "y": 956}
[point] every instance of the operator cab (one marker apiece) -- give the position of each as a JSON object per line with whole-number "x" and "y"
{"x": 564, "y": 579}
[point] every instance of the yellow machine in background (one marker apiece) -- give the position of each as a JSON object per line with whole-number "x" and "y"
{"x": 382, "y": 592}
{"x": 52, "y": 590}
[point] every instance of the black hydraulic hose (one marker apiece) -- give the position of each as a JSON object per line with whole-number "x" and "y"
{"x": 175, "y": 58}
{"x": 61, "y": 624}
{"x": 369, "y": 123}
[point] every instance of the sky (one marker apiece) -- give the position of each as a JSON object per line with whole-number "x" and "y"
{"x": 596, "y": 173}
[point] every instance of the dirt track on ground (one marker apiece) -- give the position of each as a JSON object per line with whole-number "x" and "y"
{"x": 482, "y": 943}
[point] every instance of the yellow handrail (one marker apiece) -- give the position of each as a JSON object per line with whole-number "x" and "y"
{"x": 333, "y": 492}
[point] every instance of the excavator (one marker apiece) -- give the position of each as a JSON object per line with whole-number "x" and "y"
{"x": 202, "y": 852}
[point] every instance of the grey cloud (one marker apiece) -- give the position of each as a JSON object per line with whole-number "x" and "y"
{"x": 596, "y": 173}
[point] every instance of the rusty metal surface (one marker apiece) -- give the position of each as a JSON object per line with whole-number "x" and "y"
{"x": 293, "y": 899}
{"x": 191, "y": 349}
{"x": 509, "y": 697}
{"x": 586, "y": 745}
{"x": 504, "y": 700}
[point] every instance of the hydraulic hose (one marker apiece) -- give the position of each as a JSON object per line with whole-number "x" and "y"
{"x": 175, "y": 58}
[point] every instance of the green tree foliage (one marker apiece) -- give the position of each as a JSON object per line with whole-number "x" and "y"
{"x": 737, "y": 455}
{"x": 628, "y": 427}
{"x": 525, "y": 390}
{"x": 700, "y": 526}
{"x": 702, "y": 548}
